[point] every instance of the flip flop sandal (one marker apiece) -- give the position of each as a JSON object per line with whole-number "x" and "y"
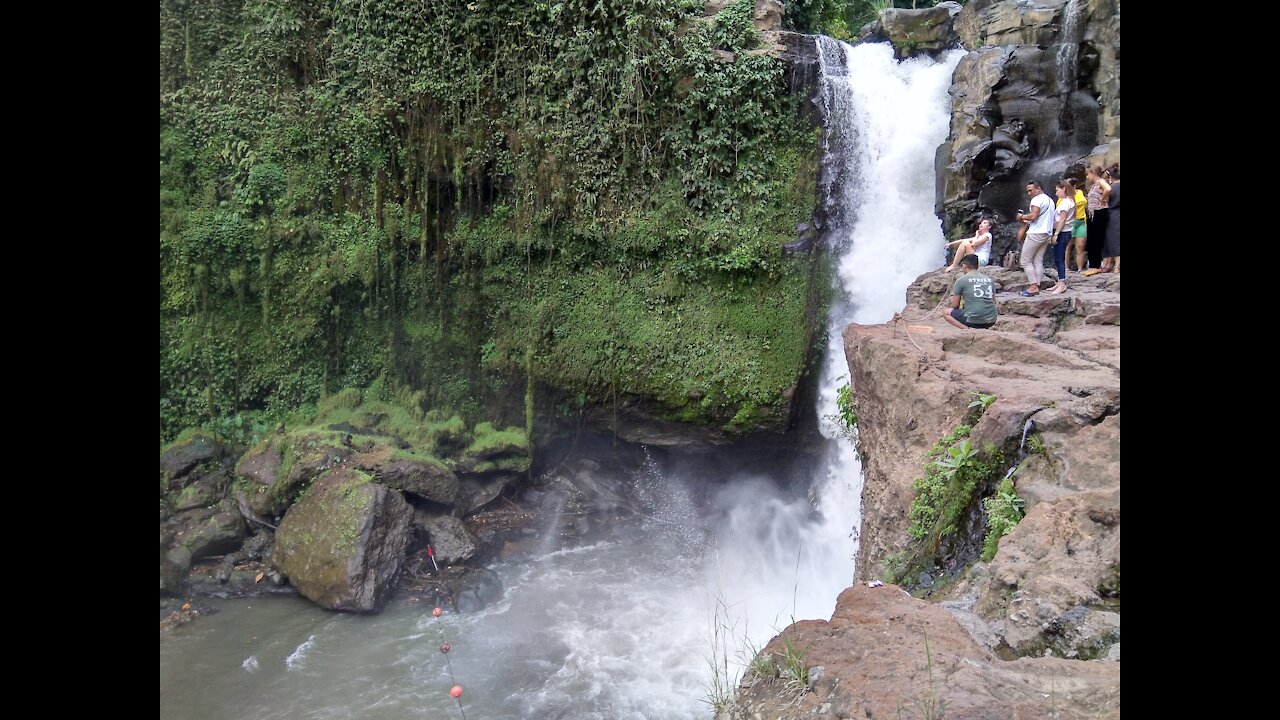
{"x": 1027, "y": 293}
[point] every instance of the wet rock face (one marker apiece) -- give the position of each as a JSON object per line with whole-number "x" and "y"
{"x": 449, "y": 538}
{"x": 180, "y": 461}
{"x": 1037, "y": 98}
{"x": 197, "y": 518}
{"x": 429, "y": 480}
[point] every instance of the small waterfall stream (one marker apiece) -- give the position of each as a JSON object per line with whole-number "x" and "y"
{"x": 1068, "y": 62}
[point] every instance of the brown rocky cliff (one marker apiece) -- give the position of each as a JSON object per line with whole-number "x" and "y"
{"x": 871, "y": 661}
{"x": 1052, "y": 590}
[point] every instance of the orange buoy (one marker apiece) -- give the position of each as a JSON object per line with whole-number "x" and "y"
{"x": 456, "y": 691}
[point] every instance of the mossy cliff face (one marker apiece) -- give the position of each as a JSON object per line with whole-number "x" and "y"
{"x": 588, "y": 214}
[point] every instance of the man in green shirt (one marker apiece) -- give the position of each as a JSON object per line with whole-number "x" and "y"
{"x": 977, "y": 291}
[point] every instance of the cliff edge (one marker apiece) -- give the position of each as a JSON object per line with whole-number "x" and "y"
{"x": 1034, "y": 631}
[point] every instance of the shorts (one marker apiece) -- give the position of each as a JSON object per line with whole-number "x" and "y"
{"x": 1079, "y": 230}
{"x": 958, "y": 314}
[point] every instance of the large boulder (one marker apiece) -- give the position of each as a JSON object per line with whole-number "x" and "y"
{"x": 181, "y": 459}
{"x": 210, "y": 531}
{"x": 194, "y": 534}
{"x": 193, "y": 474}
{"x": 343, "y": 544}
{"x": 197, "y": 518}
{"x": 475, "y": 492}
{"x": 926, "y": 31}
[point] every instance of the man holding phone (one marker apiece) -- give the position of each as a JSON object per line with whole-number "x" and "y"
{"x": 1039, "y": 224}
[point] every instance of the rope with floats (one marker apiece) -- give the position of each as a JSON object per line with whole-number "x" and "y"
{"x": 456, "y": 691}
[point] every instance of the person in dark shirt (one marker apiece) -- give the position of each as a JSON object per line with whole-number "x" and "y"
{"x": 978, "y": 293}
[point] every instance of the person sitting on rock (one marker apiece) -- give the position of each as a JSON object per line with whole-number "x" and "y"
{"x": 978, "y": 292}
{"x": 979, "y": 244}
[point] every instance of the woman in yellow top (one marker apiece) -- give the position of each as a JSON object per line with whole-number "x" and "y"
{"x": 1080, "y": 230}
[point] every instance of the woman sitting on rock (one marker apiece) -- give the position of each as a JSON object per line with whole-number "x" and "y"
{"x": 979, "y": 244}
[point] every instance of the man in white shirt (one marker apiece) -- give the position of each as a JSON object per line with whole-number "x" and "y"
{"x": 1039, "y": 231}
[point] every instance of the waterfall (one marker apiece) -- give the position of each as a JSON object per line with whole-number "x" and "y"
{"x": 885, "y": 121}
{"x": 1067, "y": 65}
{"x": 1066, "y": 72}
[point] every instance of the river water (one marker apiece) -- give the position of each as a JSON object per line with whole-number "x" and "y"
{"x": 658, "y": 619}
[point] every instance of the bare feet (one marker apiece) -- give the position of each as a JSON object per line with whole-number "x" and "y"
{"x": 1058, "y": 289}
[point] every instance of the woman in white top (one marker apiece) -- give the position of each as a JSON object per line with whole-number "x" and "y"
{"x": 1063, "y": 219}
{"x": 979, "y": 244}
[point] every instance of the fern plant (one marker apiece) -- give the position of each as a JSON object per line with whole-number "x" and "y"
{"x": 1004, "y": 510}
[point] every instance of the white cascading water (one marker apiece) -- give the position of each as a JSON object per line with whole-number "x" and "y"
{"x": 886, "y": 120}
{"x": 1068, "y": 53}
{"x": 629, "y": 628}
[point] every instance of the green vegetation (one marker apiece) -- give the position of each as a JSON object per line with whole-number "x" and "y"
{"x": 946, "y": 490}
{"x": 489, "y": 439}
{"x": 1004, "y": 510}
{"x": 459, "y": 201}
{"x": 430, "y": 434}
{"x": 841, "y": 19}
{"x": 844, "y": 402}
{"x": 789, "y": 665}
{"x": 720, "y": 688}
{"x": 956, "y": 475}
{"x": 981, "y": 402}
{"x": 1035, "y": 444}
{"x": 793, "y": 666}
{"x": 930, "y": 705}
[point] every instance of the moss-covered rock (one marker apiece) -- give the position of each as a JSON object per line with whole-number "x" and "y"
{"x": 276, "y": 472}
{"x": 193, "y": 474}
{"x": 423, "y": 476}
{"x": 209, "y": 531}
{"x": 474, "y": 492}
{"x": 343, "y": 545}
{"x": 179, "y": 459}
{"x": 490, "y": 442}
